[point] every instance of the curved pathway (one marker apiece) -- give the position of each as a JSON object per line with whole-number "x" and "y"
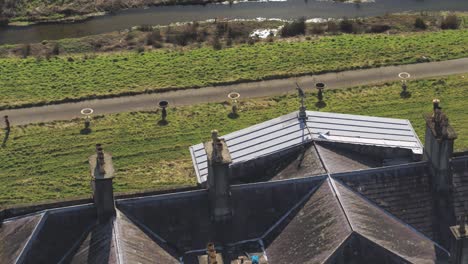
{"x": 247, "y": 90}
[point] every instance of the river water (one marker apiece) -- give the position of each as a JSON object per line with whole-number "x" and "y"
{"x": 289, "y": 9}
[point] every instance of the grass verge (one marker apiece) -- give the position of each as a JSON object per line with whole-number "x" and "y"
{"x": 49, "y": 161}
{"x": 38, "y": 81}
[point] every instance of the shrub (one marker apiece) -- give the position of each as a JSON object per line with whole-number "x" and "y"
{"x": 317, "y": 29}
{"x": 332, "y": 26}
{"x": 202, "y": 35}
{"x": 270, "y": 38}
{"x": 450, "y": 22}
{"x": 221, "y": 28}
{"x": 130, "y": 35}
{"x": 56, "y": 49}
{"x": 229, "y": 42}
{"x": 188, "y": 34}
{"x": 236, "y": 32}
{"x": 145, "y": 28}
{"x": 25, "y": 50}
{"x": 347, "y": 26}
{"x": 153, "y": 37}
{"x": 297, "y": 27}
{"x": 157, "y": 45}
{"x": 216, "y": 43}
{"x": 419, "y": 23}
{"x": 379, "y": 28}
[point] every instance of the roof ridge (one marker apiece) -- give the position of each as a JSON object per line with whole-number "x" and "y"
{"x": 27, "y": 246}
{"x": 115, "y": 236}
{"x": 148, "y": 232}
{"x": 332, "y": 186}
{"x": 77, "y": 244}
{"x": 303, "y": 200}
{"x": 340, "y": 175}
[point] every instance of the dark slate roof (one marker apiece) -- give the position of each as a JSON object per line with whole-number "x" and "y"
{"x": 328, "y": 198}
{"x": 460, "y": 185}
{"x": 120, "y": 241}
{"x": 337, "y": 159}
{"x": 257, "y": 207}
{"x": 306, "y": 163}
{"x": 387, "y": 231}
{"x": 358, "y": 249}
{"x": 60, "y": 231}
{"x": 311, "y": 233}
{"x": 98, "y": 246}
{"x": 306, "y": 219}
{"x": 405, "y": 193}
{"x": 15, "y": 235}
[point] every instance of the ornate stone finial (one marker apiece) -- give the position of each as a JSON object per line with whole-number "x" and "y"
{"x": 435, "y": 104}
{"x": 439, "y": 119}
{"x": 211, "y": 252}
{"x": 214, "y": 135}
{"x": 100, "y": 158}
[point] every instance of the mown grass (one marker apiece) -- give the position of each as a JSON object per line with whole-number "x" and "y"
{"x": 49, "y": 161}
{"x": 33, "y": 81}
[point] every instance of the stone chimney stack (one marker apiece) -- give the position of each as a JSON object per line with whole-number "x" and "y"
{"x": 438, "y": 149}
{"x": 459, "y": 242}
{"x": 102, "y": 172}
{"x": 218, "y": 178}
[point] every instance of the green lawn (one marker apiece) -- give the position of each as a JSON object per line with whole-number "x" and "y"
{"x": 49, "y": 161}
{"x": 33, "y": 81}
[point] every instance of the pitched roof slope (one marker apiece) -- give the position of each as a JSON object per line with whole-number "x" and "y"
{"x": 61, "y": 230}
{"x": 306, "y": 163}
{"x": 387, "y": 231}
{"x": 460, "y": 185}
{"x": 405, "y": 193}
{"x": 340, "y": 160}
{"x": 311, "y": 233}
{"x": 99, "y": 246}
{"x": 183, "y": 221}
{"x": 135, "y": 246}
{"x": 15, "y": 235}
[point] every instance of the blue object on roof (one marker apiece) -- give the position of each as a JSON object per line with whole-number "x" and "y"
{"x": 255, "y": 260}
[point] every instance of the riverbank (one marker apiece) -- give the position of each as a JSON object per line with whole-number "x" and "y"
{"x": 225, "y": 33}
{"x": 48, "y": 161}
{"x": 24, "y": 12}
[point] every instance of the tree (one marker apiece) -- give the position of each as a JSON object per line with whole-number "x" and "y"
{"x": 419, "y": 23}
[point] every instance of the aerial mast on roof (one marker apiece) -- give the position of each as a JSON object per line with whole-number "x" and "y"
{"x": 302, "y": 109}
